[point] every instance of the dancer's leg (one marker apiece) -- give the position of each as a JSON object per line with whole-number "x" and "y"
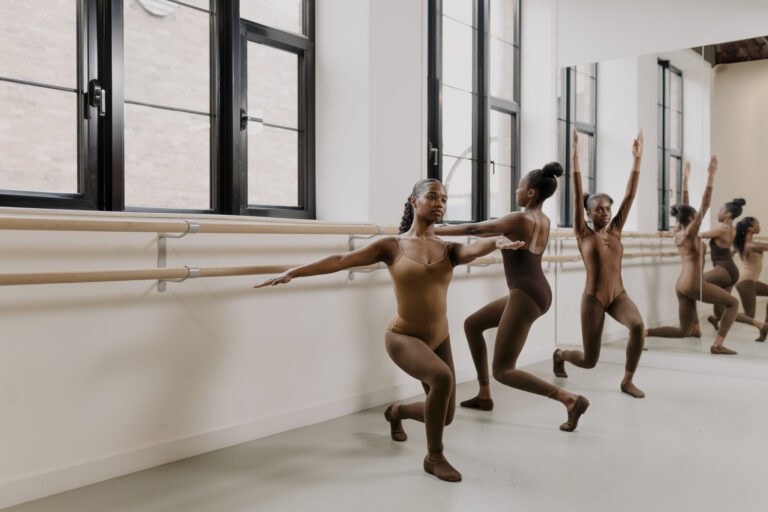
{"x": 687, "y": 315}
{"x": 719, "y": 277}
{"x": 747, "y": 293}
{"x": 625, "y": 311}
{"x": 481, "y": 320}
{"x": 592, "y": 320}
{"x": 712, "y": 294}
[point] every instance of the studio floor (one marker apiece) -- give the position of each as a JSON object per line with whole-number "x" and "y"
{"x": 696, "y": 442}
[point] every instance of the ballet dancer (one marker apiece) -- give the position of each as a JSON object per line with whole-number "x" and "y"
{"x": 749, "y": 285}
{"x": 602, "y": 250}
{"x": 529, "y": 297}
{"x": 421, "y": 267}
{"x": 689, "y": 287}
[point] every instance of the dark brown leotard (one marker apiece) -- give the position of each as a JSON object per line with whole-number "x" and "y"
{"x": 523, "y": 271}
{"x": 722, "y": 257}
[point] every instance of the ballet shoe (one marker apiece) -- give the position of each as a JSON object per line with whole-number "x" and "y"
{"x": 630, "y": 389}
{"x": 714, "y": 321}
{"x": 395, "y": 427}
{"x": 558, "y": 367}
{"x": 579, "y": 408}
{"x": 484, "y": 404}
{"x": 763, "y": 332}
{"x": 721, "y": 350}
{"x": 441, "y": 469}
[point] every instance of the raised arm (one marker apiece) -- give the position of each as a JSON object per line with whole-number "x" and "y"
{"x": 634, "y": 177}
{"x": 686, "y": 174}
{"x": 465, "y": 253}
{"x": 706, "y": 200}
{"x": 380, "y": 250}
{"x": 579, "y": 224}
{"x": 756, "y": 246}
{"x": 498, "y": 226}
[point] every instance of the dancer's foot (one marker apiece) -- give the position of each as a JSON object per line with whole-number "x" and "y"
{"x": 484, "y": 404}
{"x": 558, "y": 363}
{"x": 574, "y": 413}
{"x": 696, "y": 332}
{"x": 630, "y": 389}
{"x": 395, "y": 426}
{"x": 714, "y": 349}
{"x": 714, "y": 321}
{"x": 435, "y": 464}
{"x": 763, "y": 332}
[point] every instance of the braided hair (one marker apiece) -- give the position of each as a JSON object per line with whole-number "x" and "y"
{"x": 734, "y": 207}
{"x": 545, "y": 179}
{"x": 741, "y": 233}
{"x": 407, "y": 221}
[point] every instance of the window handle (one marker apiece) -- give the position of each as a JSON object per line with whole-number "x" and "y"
{"x": 97, "y": 97}
{"x": 433, "y": 153}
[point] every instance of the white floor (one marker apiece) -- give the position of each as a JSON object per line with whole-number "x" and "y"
{"x": 697, "y": 442}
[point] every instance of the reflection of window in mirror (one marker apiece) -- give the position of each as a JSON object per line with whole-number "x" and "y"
{"x": 577, "y": 109}
{"x": 474, "y": 105}
{"x": 670, "y": 118}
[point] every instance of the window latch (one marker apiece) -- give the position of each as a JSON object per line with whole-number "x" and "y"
{"x": 97, "y": 97}
{"x": 433, "y": 153}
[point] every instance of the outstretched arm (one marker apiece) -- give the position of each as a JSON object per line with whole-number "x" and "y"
{"x": 579, "y": 224}
{"x": 758, "y": 247}
{"x": 498, "y": 226}
{"x": 380, "y": 250}
{"x": 706, "y": 200}
{"x": 465, "y": 253}
{"x": 686, "y": 175}
{"x": 634, "y": 177}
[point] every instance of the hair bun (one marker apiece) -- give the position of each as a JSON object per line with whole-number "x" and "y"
{"x": 739, "y": 201}
{"x": 586, "y": 201}
{"x": 552, "y": 170}
{"x": 675, "y": 211}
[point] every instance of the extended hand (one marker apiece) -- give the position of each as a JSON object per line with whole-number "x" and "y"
{"x": 686, "y": 170}
{"x": 712, "y": 169}
{"x": 282, "y": 278}
{"x": 505, "y": 244}
{"x": 575, "y": 145}
{"x": 637, "y": 145}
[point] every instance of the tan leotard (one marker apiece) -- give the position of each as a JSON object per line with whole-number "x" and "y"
{"x": 751, "y": 267}
{"x": 421, "y": 290}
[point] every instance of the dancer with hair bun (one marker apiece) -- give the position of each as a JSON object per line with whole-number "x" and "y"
{"x": 749, "y": 285}
{"x": 602, "y": 250}
{"x": 529, "y": 297}
{"x": 421, "y": 266}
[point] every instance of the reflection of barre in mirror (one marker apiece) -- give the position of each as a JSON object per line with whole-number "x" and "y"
{"x": 529, "y": 297}
{"x": 601, "y": 250}
{"x": 421, "y": 266}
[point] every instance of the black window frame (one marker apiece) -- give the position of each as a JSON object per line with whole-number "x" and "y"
{"x": 567, "y": 119}
{"x": 101, "y": 138}
{"x": 482, "y": 105}
{"x": 665, "y": 151}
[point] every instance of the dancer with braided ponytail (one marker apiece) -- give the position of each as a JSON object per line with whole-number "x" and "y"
{"x": 689, "y": 287}
{"x": 529, "y": 297}
{"x": 749, "y": 285}
{"x": 421, "y": 266}
{"x": 602, "y": 250}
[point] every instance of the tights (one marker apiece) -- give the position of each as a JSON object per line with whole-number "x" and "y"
{"x": 711, "y": 294}
{"x": 592, "y": 318}
{"x": 719, "y": 276}
{"x": 748, "y": 291}
{"x": 513, "y": 315}
{"x": 434, "y": 368}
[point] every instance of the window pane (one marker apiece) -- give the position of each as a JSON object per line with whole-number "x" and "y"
{"x": 503, "y": 20}
{"x": 674, "y": 130}
{"x": 675, "y": 92}
{"x": 457, "y": 54}
{"x": 273, "y": 85}
{"x": 586, "y": 69}
{"x": 584, "y": 88}
{"x": 38, "y": 41}
{"x": 38, "y": 139}
{"x": 167, "y": 159}
{"x": 500, "y": 182}
{"x": 457, "y": 178}
{"x": 585, "y": 162}
{"x": 457, "y": 123}
{"x": 282, "y": 14}
{"x": 673, "y": 185}
{"x": 501, "y": 137}
{"x": 502, "y": 70}
{"x": 167, "y": 58}
{"x": 460, "y": 10}
{"x": 273, "y": 166}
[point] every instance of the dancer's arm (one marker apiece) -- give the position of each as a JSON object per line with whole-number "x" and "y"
{"x": 693, "y": 227}
{"x": 686, "y": 174}
{"x": 579, "y": 224}
{"x": 380, "y": 250}
{"x": 493, "y": 227}
{"x": 634, "y": 177}
{"x": 755, "y": 246}
{"x": 465, "y": 253}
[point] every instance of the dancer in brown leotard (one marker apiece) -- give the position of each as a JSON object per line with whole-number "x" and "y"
{"x": 421, "y": 266}
{"x": 689, "y": 287}
{"x": 601, "y": 250}
{"x": 529, "y": 297}
{"x": 749, "y": 285}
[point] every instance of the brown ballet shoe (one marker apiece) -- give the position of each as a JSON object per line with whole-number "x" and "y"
{"x": 395, "y": 426}
{"x": 714, "y": 321}
{"x": 630, "y": 389}
{"x": 558, "y": 367}
{"x": 441, "y": 469}
{"x": 579, "y": 408}
{"x": 484, "y": 404}
{"x": 763, "y": 332}
{"x": 721, "y": 350}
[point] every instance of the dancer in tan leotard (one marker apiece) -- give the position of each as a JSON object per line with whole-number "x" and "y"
{"x": 749, "y": 285}
{"x": 421, "y": 266}
{"x": 529, "y": 297}
{"x": 689, "y": 287}
{"x": 601, "y": 250}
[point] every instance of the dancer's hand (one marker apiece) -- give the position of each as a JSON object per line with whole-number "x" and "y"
{"x": 285, "y": 277}
{"x": 712, "y": 169}
{"x": 637, "y": 145}
{"x": 505, "y": 244}
{"x": 575, "y": 145}
{"x": 687, "y": 170}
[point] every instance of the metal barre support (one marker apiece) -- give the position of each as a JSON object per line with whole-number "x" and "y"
{"x": 192, "y": 228}
{"x": 351, "y": 247}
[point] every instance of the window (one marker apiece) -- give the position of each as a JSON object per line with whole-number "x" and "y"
{"x": 577, "y": 109}
{"x": 474, "y": 104}
{"x": 670, "y": 114}
{"x": 158, "y": 105}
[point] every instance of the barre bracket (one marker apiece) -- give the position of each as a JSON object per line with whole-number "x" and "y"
{"x": 192, "y": 228}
